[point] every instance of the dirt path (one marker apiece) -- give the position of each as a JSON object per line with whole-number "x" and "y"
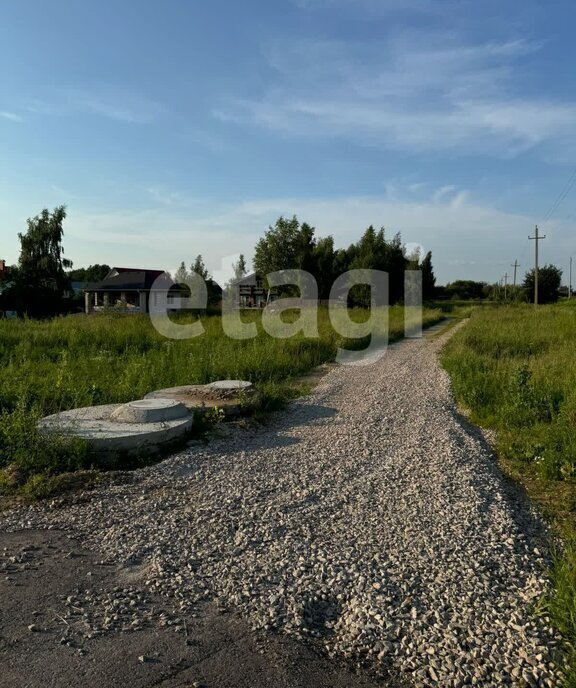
{"x": 369, "y": 520}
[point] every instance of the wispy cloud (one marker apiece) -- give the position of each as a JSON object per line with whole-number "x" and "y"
{"x": 379, "y": 6}
{"x": 414, "y": 92}
{"x": 116, "y": 103}
{"x": 11, "y": 116}
{"x": 452, "y": 225}
{"x": 111, "y": 102}
{"x": 164, "y": 196}
{"x": 453, "y": 11}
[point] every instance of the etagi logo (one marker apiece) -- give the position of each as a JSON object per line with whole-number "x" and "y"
{"x": 375, "y": 327}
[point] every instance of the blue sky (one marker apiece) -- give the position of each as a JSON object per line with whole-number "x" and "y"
{"x": 179, "y": 127}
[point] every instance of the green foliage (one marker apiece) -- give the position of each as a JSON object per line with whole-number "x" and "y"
{"x": 291, "y": 245}
{"x": 181, "y": 274}
{"x": 24, "y": 451}
{"x": 240, "y": 267}
{"x": 549, "y": 280}
{"x": 560, "y": 603}
{"x": 375, "y": 252}
{"x": 199, "y": 268}
{"x": 71, "y": 362}
{"x": 428, "y": 278}
{"x": 464, "y": 290}
{"x": 286, "y": 246}
{"x": 42, "y": 279}
{"x": 93, "y": 273}
{"x": 514, "y": 368}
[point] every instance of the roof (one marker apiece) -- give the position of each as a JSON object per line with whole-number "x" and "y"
{"x": 131, "y": 280}
{"x": 250, "y": 279}
{"x": 123, "y": 270}
{"x": 123, "y": 279}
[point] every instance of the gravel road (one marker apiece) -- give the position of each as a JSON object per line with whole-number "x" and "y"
{"x": 370, "y": 517}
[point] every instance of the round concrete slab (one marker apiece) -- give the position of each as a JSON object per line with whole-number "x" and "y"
{"x": 234, "y": 386}
{"x": 106, "y": 436}
{"x": 149, "y": 411}
{"x": 204, "y": 397}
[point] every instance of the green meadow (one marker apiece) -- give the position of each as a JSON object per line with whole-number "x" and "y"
{"x": 514, "y": 369}
{"x": 76, "y": 361}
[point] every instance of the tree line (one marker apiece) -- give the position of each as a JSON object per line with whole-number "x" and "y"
{"x": 40, "y": 285}
{"x": 549, "y": 284}
{"x": 290, "y": 244}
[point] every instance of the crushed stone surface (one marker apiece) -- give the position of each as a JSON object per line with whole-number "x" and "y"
{"x": 369, "y": 515}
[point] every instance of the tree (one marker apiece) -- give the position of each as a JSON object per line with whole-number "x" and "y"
{"x": 239, "y": 267}
{"x": 42, "y": 276}
{"x": 428, "y": 278}
{"x": 375, "y": 252}
{"x": 8, "y": 290}
{"x": 286, "y": 246}
{"x": 181, "y": 274}
{"x": 549, "y": 280}
{"x": 466, "y": 289}
{"x": 93, "y": 273}
{"x": 325, "y": 266}
{"x": 199, "y": 268}
{"x": 305, "y": 246}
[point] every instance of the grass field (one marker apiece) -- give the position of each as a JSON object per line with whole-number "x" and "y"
{"x": 514, "y": 369}
{"x": 76, "y": 361}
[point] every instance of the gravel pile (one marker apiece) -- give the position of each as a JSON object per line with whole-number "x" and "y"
{"x": 370, "y": 515}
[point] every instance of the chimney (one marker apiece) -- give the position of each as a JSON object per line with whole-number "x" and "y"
{"x": 2, "y": 266}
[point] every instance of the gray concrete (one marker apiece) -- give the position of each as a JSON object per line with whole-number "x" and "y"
{"x": 138, "y": 427}
{"x": 230, "y": 386}
{"x": 42, "y": 570}
{"x": 226, "y": 395}
{"x": 149, "y": 411}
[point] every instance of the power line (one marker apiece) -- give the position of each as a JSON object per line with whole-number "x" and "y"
{"x": 561, "y": 196}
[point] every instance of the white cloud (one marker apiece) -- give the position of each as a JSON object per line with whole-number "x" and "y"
{"x": 381, "y": 6}
{"x": 116, "y": 103}
{"x": 111, "y": 102}
{"x": 413, "y": 92}
{"x": 164, "y": 196}
{"x": 453, "y": 227}
{"x": 463, "y": 234}
{"x": 11, "y": 116}
{"x": 442, "y": 192}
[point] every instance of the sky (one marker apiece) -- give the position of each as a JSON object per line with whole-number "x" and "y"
{"x": 176, "y": 127}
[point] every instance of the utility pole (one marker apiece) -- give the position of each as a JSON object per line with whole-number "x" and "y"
{"x": 515, "y": 265}
{"x": 570, "y": 285}
{"x": 536, "y": 240}
{"x": 505, "y": 286}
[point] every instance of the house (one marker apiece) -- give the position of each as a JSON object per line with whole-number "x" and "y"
{"x": 129, "y": 289}
{"x": 250, "y": 292}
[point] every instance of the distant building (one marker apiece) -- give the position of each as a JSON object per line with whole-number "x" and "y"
{"x": 3, "y": 271}
{"x": 250, "y": 292}
{"x": 137, "y": 291}
{"x": 128, "y": 289}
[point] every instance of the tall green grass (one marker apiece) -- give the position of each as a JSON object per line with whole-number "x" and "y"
{"x": 74, "y": 361}
{"x": 514, "y": 368}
